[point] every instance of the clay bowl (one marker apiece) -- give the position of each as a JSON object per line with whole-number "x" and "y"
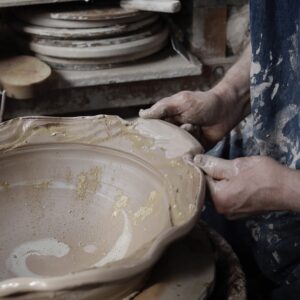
{"x": 89, "y": 219}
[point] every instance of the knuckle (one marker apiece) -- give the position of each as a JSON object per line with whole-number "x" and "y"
{"x": 185, "y": 95}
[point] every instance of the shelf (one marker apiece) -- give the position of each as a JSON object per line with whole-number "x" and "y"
{"x": 12, "y": 3}
{"x": 141, "y": 83}
{"x": 164, "y": 65}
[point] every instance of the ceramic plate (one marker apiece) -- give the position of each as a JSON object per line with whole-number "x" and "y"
{"x": 41, "y": 17}
{"x": 98, "y": 49}
{"x": 62, "y": 33}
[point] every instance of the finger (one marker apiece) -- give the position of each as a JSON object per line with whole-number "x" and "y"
{"x": 217, "y": 168}
{"x": 160, "y": 110}
{"x": 157, "y": 111}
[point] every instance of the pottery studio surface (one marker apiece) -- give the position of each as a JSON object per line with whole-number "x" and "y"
{"x": 89, "y": 204}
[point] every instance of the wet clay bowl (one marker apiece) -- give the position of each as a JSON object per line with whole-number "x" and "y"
{"x": 86, "y": 216}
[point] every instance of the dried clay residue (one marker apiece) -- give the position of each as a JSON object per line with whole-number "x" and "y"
{"x": 146, "y": 210}
{"x": 88, "y": 182}
{"x": 120, "y": 204}
{"x": 139, "y": 215}
{"x": 4, "y": 185}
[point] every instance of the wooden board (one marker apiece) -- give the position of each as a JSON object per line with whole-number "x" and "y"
{"x": 208, "y": 35}
{"x": 12, "y": 3}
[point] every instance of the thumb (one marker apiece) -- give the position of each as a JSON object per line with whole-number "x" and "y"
{"x": 164, "y": 108}
{"x": 157, "y": 111}
{"x": 216, "y": 168}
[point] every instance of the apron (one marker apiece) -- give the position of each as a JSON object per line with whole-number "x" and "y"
{"x": 272, "y": 129}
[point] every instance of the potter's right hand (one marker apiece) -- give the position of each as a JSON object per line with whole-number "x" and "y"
{"x": 207, "y": 110}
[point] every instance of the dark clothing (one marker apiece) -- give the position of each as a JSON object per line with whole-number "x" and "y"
{"x": 273, "y": 129}
{"x": 275, "y": 105}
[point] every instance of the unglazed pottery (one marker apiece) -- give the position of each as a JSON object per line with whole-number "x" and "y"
{"x": 97, "y": 63}
{"x": 89, "y": 204}
{"x": 65, "y": 33}
{"x": 105, "y": 48}
{"x": 41, "y": 17}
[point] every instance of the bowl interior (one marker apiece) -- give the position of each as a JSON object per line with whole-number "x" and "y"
{"x": 65, "y": 208}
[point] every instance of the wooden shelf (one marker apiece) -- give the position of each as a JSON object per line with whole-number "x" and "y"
{"x": 164, "y": 65}
{"x": 141, "y": 83}
{"x": 12, "y": 3}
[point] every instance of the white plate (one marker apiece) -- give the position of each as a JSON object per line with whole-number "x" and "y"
{"x": 97, "y": 51}
{"x": 43, "y": 18}
{"x": 97, "y": 64}
{"x": 86, "y": 33}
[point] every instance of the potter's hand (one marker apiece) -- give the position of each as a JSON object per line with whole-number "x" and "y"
{"x": 208, "y": 110}
{"x": 217, "y": 111}
{"x": 251, "y": 185}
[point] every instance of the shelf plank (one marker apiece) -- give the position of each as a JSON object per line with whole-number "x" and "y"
{"x": 165, "y": 64}
{"x": 12, "y": 3}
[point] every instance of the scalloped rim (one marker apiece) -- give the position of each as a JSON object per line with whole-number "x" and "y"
{"x": 108, "y": 274}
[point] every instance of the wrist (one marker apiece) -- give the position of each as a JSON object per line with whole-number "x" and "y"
{"x": 290, "y": 196}
{"x": 235, "y": 103}
{"x": 225, "y": 92}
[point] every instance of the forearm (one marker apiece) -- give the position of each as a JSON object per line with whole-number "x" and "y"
{"x": 290, "y": 190}
{"x": 235, "y": 86}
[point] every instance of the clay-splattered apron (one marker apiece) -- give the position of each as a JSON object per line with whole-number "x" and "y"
{"x": 273, "y": 129}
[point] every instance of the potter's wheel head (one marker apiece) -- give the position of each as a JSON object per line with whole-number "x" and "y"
{"x": 91, "y": 200}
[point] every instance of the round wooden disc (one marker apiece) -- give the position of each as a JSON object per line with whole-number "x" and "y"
{"x": 99, "y": 49}
{"x": 85, "y": 33}
{"x": 23, "y": 70}
{"x": 18, "y": 74}
{"x": 39, "y": 17}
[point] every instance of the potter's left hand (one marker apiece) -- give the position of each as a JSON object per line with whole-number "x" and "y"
{"x": 251, "y": 185}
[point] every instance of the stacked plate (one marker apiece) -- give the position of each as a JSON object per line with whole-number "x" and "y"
{"x": 88, "y": 36}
